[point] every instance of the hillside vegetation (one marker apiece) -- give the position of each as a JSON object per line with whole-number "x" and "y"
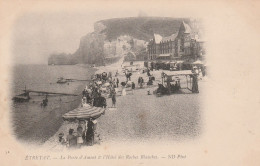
{"x": 141, "y": 28}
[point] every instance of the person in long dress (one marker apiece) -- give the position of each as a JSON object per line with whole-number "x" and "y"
{"x": 90, "y": 133}
{"x": 195, "y": 88}
{"x": 133, "y": 87}
{"x": 114, "y": 100}
{"x": 71, "y": 139}
{"x": 123, "y": 91}
{"x": 117, "y": 82}
{"x": 79, "y": 136}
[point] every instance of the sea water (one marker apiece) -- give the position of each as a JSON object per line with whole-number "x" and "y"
{"x": 35, "y": 124}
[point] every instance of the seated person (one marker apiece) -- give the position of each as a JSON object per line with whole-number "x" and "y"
{"x": 71, "y": 139}
{"x": 150, "y": 82}
{"x": 61, "y": 139}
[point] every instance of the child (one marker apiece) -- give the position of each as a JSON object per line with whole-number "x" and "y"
{"x": 114, "y": 99}
{"x": 133, "y": 87}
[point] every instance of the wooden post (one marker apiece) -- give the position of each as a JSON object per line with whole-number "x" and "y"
{"x": 187, "y": 82}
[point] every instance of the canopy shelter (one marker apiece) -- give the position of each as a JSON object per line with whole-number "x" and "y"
{"x": 131, "y": 65}
{"x": 198, "y": 62}
{"x": 191, "y": 78}
{"x": 164, "y": 55}
{"x": 132, "y": 68}
{"x": 84, "y": 113}
{"x": 178, "y": 73}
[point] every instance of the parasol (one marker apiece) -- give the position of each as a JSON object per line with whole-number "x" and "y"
{"x": 89, "y": 90}
{"x": 85, "y": 112}
{"x": 107, "y": 84}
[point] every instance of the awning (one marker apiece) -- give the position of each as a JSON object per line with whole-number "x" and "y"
{"x": 198, "y": 62}
{"x": 164, "y": 55}
{"x": 84, "y": 112}
{"x": 177, "y": 73}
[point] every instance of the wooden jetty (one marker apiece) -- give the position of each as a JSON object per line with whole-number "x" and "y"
{"x": 65, "y": 80}
{"x": 25, "y": 97}
{"x": 49, "y": 93}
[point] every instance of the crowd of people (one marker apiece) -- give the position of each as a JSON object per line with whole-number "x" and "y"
{"x": 84, "y": 135}
{"x": 103, "y": 84}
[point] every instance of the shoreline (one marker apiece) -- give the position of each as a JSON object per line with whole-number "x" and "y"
{"x": 70, "y": 105}
{"x": 65, "y": 125}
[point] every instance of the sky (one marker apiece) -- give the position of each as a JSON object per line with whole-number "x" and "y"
{"x": 37, "y": 35}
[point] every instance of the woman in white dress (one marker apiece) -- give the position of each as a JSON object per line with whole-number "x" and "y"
{"x": 123, "y": 91}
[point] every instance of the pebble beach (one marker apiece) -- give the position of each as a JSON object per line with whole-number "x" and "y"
{"x": 139, "y": 117}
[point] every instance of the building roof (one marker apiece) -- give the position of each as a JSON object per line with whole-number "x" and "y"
{"x": 186, "y": 27}
{"x": 157, "y": 38}
{"x": 168, "y": 38}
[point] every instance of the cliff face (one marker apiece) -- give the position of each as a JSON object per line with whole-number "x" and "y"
{"x": 117, "y": 37}
{"x": 91, "y": 49}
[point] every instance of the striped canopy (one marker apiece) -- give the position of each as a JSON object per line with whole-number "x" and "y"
{"x": 85, "y": 112}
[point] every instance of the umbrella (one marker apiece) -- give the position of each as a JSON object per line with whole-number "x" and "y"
{"x": 107, "y": 84}
{"x": 85, "y": 112}
{"x": 89, "y": 90}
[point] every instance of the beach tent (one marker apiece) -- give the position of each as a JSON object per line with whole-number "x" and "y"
{"x": 192, "y": 81}
{"x": 84, "y": 113}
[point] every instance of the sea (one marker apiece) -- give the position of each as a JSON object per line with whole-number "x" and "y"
{"x": 32, "y": 123}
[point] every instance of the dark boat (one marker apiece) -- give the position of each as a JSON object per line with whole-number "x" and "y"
{"x": 24, "y": 97}
{"x": 20, "y": 99}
